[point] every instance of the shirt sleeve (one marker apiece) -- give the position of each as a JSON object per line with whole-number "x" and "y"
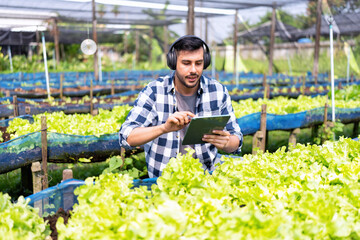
{"x": 141, "y": 115}
{"x": 232, "y": 126}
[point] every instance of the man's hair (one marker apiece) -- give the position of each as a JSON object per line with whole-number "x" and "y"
{"x": 189, "y": 44}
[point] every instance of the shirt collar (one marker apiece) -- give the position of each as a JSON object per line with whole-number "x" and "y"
{"x": 171, "y": 84}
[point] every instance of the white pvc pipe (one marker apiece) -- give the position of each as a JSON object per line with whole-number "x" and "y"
{"x": 332, "y": 72}
{"x": 348, "y": 65}
{"x": 10, "y": 58}
{"x": 289, "y": 63}
{"x": 45, "y": 63}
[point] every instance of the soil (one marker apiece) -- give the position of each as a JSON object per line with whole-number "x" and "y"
{"x": 4, "y": 134}
{"x": 53, "y": 219}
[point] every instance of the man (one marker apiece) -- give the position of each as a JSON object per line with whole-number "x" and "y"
{"x": 164, "y": 108}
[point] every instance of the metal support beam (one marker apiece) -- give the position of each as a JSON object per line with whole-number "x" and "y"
{"x": 272, "y": 39}
{"x": 191, "y": 18}
{"x": 206, "y": 29}
{"x": 56, "y": 40}
{"x": 151, "y": 37}
{"x": 317, "y": 41}
{"x": 166, "y": 41}
{"x": 235, "y": 41}
{"x": 137, "y": 47}
{"x": 94, "y": 22}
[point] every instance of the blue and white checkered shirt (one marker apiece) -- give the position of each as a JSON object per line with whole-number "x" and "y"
{"x": 157, "y": 101}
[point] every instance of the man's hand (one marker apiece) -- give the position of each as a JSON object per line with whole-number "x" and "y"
{"x": 175, "y": 122}
{"x": 178, "y": 121}
{"x": 222, "y": 140}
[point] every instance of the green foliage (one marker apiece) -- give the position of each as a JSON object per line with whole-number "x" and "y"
{"x": 287, "y": 18}
{"x": 135, "y": 165}
{"x": 20, "y": 221}
{"x": 348, "y": 93}
{"x": 329, "y": 132}
{"x": 310, "y": 192}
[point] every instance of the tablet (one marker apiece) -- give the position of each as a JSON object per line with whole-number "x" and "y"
{"x": 199, "y": 126}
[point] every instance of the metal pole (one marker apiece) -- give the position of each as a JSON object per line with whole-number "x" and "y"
{"x": 317, "y": 41}
{"x": 94, "y": 23}
{"x": 237, "y": 67}
{"x": 213, "y": 70}
{"x": 45, "y": 63}
{"x": 332, "y": 69}
{"x": 272, "y": 39}
{"x": 10, "y": 58}
{"x": 54, "y": 61}
{"x": 289, "y": 63}
{"x": 99, "y": 58}
{"x": 348, "y": 65}
{"x": 191, "y": 17}
{"x": 235, "y": 39}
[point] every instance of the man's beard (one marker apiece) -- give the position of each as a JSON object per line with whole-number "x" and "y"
{"x": 183, "y": 82}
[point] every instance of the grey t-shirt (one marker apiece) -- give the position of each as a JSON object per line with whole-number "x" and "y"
{"x": 185, "y": 103}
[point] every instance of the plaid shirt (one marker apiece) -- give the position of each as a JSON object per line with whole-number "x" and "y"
{"x": 157, "y": 101}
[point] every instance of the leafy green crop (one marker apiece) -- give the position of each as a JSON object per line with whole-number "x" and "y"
{"x": 349, "y": 93}
{"x": 310, "y": 192}
{"x": 78, "y": 124}
{"x": 285, "y": 105}
{"x": 110, "y": 121}
{"x": 20, "y": 221}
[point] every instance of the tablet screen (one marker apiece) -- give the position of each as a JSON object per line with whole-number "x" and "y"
{"x": 199, "y": 126}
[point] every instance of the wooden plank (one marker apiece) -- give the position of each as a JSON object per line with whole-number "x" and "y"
{"x": 67, "y": 174}
{"x": 292, "y": 137}
{"x": 36, "y": 176}
{"x": 256, "y": 143}
{"x": 61, "y": 85}
{"x": 263, "y": 126}
{"x": 28, "y": 110}
{"x": 112, "y": 87}
{"x": 44, "y": 154}
{"x": 37, "y": 184}
{"x": 16, "y": 106}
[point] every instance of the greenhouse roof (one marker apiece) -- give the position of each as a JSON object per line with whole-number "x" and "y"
{"x": 282, "y": 30}
{"x": 120, "y": 12}
{"x": 344, "y": 24}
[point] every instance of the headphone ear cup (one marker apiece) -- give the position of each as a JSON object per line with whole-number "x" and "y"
{"x": 171, "y": 59}
{"x": 207, "y": 59}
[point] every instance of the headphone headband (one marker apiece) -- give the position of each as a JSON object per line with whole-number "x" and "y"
{"x": 172, "y": 58}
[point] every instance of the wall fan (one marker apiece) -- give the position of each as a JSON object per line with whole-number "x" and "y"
{"x": 88, "y": 47}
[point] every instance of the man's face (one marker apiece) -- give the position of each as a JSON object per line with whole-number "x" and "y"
{"x": 189, "y": 68}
